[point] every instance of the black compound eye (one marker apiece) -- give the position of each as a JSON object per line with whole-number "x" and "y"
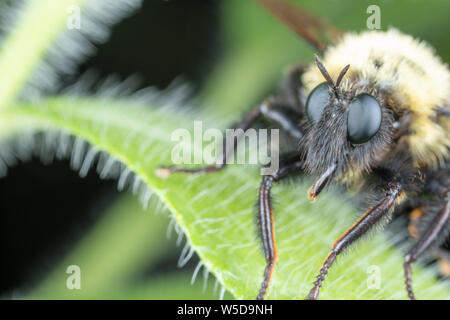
{"x": 317, "y": 101}
{"x": 364, "y": 118}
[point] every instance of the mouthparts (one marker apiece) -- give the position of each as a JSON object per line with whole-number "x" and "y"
{"x": 320, "y": 182}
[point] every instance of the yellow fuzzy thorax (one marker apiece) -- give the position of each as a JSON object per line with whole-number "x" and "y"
{"x": 410, "y": 70}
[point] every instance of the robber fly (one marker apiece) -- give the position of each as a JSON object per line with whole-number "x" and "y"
{"x": 374, "y": 114}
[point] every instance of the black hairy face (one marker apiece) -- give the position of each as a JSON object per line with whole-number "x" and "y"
{"x": 349, "y": 128}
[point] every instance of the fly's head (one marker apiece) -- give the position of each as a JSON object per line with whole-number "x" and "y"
{"x": 350, "y": 128}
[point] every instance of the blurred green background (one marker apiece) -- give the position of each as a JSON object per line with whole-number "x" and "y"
{"x": 233, "y": 54}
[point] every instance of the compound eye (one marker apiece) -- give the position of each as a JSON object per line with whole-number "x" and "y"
{"x": 317, "y": 101}
{"x": 364, "y": 118}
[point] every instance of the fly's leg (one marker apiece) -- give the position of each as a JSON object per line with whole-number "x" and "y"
{"x": 370, "y": 218}
{"x": 428, "y": 238}
{"x": 266, "y": 221}
{"x": 271, "y": 112}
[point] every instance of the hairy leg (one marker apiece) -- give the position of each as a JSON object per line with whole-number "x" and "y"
{"x": 265, "y": 214}
{"x": 365, "y": 223}
{"x": 271, "y": 112}
{"x": 428, "y": 238}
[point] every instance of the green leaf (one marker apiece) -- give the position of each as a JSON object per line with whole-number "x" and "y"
{"x": 216, "y": 211}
